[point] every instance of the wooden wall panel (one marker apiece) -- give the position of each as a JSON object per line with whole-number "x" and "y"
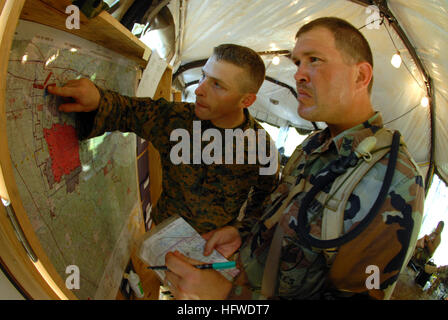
{"x": 104, "y": 29}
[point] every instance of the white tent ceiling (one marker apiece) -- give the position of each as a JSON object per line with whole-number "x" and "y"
{"x": 266, "y": 25}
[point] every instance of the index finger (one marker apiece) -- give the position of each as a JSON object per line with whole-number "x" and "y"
{"x": 179, "y": 264}
{"x": 63, "y": 91}
{"x": 208, "y": 235}
{"x": 210, "y": 244}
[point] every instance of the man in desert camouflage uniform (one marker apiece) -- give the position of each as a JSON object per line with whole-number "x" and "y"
{"x": 427, "y": 245}
{"x": 208, "y": 196}
{"x": 283, "y": 257}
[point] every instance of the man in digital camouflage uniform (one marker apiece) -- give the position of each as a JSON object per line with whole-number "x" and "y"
{"x": 208, "y": 196}
{"x": 334, "y": 79}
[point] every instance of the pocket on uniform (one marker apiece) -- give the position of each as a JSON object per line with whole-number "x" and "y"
{"x": 301, "y": 272}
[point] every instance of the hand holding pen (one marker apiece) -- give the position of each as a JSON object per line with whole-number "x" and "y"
{"x": 187, "y": 281}
{"x": 214, "y": 266}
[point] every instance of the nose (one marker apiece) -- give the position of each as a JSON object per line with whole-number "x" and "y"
{"x": 200, "y": 90}
{"x": 301, "y": 74}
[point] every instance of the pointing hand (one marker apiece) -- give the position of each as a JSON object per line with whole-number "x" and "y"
{"x": 84, "y": 93}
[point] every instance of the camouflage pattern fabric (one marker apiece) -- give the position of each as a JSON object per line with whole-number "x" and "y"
{"x": 387, "y": 242}
{"x": 206, "y": 196}
{"x": 421, "y": 256}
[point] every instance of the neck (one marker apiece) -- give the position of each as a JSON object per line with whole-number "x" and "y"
{"x": 359, "y": 113}
{"x": 229, "y": 121}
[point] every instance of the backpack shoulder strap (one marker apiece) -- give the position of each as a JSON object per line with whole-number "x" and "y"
{"x": 343, "y": 186}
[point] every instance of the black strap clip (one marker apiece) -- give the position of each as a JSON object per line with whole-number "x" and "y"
{"x": 340, "y": 165}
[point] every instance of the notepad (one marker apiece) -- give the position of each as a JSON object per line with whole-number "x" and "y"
{"x": 176, "y": 234}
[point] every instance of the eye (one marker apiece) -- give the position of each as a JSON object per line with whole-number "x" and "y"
{"x": 216, "y": 84}
{"x": 314, "y": 59}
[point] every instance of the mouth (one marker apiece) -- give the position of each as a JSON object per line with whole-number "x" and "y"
{"x": 202, "y": 106}
{"x": 303, "y": 94}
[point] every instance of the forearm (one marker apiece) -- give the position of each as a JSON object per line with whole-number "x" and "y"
{"x": 118, "y": 112}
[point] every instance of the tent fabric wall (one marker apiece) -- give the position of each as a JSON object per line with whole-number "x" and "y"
{"x": 265, "y": 25}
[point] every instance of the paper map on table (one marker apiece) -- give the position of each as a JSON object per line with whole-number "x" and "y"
{"x": 176, "y": 234}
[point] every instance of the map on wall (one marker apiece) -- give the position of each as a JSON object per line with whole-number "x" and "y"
{"x": 78, "y": 194}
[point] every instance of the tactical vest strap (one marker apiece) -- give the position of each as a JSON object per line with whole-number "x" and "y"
{"x": 333, "y": 215}
{"x": 288, "y": 178}
{"x": 269, "y": 282}
{"x": 292, "y": 163}
{"x": 335, "y": 201}
{"x": 269, "y": 223}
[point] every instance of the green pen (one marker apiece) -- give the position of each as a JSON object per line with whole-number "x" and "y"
{"x": 215, "y": 266}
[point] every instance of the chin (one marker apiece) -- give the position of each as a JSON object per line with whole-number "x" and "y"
{"x": 201, "y": 115}
{"x": 306, "y": 112}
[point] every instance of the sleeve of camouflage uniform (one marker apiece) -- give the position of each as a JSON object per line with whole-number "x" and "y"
{"x": 146, "y": 117}
{"x": 370, "y": 263}
{"x": 257, "y": 202}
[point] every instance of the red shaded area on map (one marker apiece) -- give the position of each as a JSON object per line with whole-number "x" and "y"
{"x": 63, "y": 145}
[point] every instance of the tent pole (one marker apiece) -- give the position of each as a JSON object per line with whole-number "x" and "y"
{"x": 385, "y": 11}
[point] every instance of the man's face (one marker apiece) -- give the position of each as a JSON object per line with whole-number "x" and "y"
{"x": 218, "y": 95}
{"x": 325, "y": 82}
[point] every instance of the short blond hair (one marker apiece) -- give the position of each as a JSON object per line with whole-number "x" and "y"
{"x": 245, "y": 58}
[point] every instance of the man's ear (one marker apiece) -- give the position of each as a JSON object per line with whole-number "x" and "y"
{"x": 364, "y": 75}
{"x": 248, "y": 99}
